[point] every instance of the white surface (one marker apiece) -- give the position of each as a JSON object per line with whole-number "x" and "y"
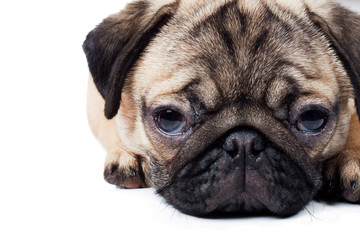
{"x": 51, "y": 182}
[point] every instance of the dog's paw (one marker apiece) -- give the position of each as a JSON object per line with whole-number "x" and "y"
{"x": 350, "y": 181}
{"x": 123, "y": 170}
{"x": 342, "y": 176}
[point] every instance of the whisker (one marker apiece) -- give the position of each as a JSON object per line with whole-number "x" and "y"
{"x": 125, "y": 150}
{"x": 347, "y": 124}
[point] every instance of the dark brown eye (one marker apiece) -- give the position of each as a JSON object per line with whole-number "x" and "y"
{"x": 312, "y": 121}
{"x": 171, "y": 122}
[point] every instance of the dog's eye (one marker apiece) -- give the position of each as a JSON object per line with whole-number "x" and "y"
{"x": 171, "y": 122}
{"x": 312, "y": 121}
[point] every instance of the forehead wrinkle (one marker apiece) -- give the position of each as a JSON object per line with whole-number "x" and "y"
{"x": 249, "y": 73}
{"x": 276, "y": 92}
{"x": 230, "y": 69}
{"x": 223, "y": 55}
{"x": 203, "y": 92}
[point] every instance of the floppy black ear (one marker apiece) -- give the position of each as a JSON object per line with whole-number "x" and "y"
{"x": 342, "y": 27}
{"x": 114, "y": 46}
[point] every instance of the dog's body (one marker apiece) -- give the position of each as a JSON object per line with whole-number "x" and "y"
{"x": 244, "y": 106}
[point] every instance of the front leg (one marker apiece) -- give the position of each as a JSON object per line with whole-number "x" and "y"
{"x": 122, "y": 168}
{"x": 342, "y": 173}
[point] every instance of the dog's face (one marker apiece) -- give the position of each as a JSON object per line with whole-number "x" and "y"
{"x": 231, "y": 105}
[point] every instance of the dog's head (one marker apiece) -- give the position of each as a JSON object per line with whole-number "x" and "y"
{"x": 233, "y": 105}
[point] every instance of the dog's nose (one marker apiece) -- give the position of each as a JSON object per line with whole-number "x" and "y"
{"x": 245, "y": 146}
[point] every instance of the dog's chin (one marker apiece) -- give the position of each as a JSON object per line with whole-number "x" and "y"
{"x": 241, "y": 180}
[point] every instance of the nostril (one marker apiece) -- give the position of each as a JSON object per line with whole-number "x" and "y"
{"x": 231, "y": 147}
{"x": 244, "y": 144}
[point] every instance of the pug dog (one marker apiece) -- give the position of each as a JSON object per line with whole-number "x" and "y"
{"x": 229, "y": 106}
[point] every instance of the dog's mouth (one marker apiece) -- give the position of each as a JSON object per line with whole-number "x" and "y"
{"x": 244, "y": 174}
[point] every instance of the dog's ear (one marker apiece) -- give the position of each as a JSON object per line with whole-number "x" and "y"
{"x": 114, "y": 46}
{"x": 342, "y": 28}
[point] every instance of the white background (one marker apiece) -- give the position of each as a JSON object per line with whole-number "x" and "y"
{"x": 51, "y": 183}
